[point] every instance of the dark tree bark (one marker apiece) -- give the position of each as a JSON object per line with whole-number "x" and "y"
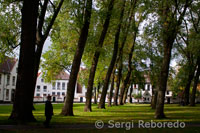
{"x": 169, "y": 32}
{"x": 111, "y": 90}
{"x": 196, "y": 80}
{"x": 130, "y": 94}
{"x": 22, "y": 107}
{"x": 98, "y": 88}
{"x": 126, "y": 93}
{"x": 113, "y": 60}
{"x": 95, "y": 95}
{"x": 68, "y": 105}
{"x": 96, "y": 58}
{"x": 189, "y": 81}
{"x": 154, "y": 98}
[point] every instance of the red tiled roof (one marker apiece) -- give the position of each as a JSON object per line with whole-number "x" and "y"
{"x": 7, "y": 65}
{"x": 62, "y": 76}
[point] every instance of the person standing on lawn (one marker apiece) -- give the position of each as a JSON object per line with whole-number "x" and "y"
{"x": 48, "y": 111}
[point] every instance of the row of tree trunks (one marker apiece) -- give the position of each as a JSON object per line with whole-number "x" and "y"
{"x": 22, "y": 106}
{"x": 95, "y": 60}
{"x": 124, "y": 88}
{"x": 119, "y": 75}
{"x": 111, "y": 90}
{"x": 113, "y": 60}
{"x": 68, "y": 104}
{"x": 196, "y": 80}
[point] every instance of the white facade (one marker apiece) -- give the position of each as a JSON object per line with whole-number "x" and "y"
{"x": 8, "y": 82}
{"x": 57, "y": 89}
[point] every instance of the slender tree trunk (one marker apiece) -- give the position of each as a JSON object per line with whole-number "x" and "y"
{"x": 187, "y": 88}
{"x": 111, "y": 90}
{"x": 40, "y": 38}
{"x": 126, "y": 93}
{"x": 22, "y": 107}
{"x": 95, "y": 95}
{"x": 119, "y": 75}
{"x": 154, "y": 98}
{"x": 113, "y": 60}
{"x": 98, "y": 88}
{"x": 196, "y": 80}
{"x": 96, "y": 58}
{"x": 68, "y": 105}
{"x": 130, "y": 94}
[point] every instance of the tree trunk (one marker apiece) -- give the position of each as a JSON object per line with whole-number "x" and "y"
{"x": 111, "y": 90}
{"x": 187, "y": 88}
{"x": 95, "y": 95}
{"x": 125, "y": 94}
{"x": 96, "y": 58}
{"x": 22, "y": 106}
{"x": 113, "y": 60}
{"x": 169, "y": 32}
{"x": 68, "y": 105}
{"x": 40, "y": 39}
{"x": 119, "y": 75}
{"x": 130, "y": 94}
{"x": 154, "y": 99}
{"x": 196, "y": 80}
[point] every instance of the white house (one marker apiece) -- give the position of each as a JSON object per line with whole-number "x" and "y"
{"x": 57, "y": 89}
{"x": 8, "y": 76}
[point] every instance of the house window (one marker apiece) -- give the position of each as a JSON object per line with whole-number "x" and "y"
{"x": 0, "y": 78}
{"x": 148, "y": 87}
{"x": 63, "y": 93}
{"x": 63, "y": 86}
{"x": 38, "y": 94}
{"x": 134, "y": 85}
{"x": 38, "y": 88}
{"x": 42, "y": 80}
{"x": 53, "y": 85}
{"x": 7, "y": 94}
{"x": 8, "y": 79}
{"x": 58, "y": 86}
{"x": 58, "y": 93}
{"x": 167, "y": 92}
{"x": 53, "y": 93}
{"x": 13, "y": 81}
{"x": 45, "y": 88}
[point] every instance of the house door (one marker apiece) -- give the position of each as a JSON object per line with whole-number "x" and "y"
{"x": 54, "y": 99}
{"x": 168, "y": 100}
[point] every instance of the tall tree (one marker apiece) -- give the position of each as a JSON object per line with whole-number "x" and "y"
{"x": 22, "y": 107}
{"x": 96, "y": 57}
{"x": 170, "y": 24}
{"x": 68, "y": 105}
{"x": 111, "y": 89}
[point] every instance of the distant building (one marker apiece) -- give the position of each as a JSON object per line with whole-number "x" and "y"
{"x": 57, "y": 89}
{"x": 8, "y": 77}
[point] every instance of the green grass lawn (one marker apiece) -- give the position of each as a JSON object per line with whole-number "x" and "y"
{"x": 124, "y": 113}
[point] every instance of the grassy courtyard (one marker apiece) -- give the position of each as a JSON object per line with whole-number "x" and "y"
{"x": 126, "y": 113}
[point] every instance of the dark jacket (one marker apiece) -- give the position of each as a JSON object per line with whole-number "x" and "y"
{"x": 48, "y": 109}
